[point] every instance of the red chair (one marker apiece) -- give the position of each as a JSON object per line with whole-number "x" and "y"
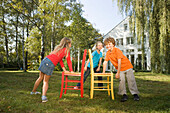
{"x": 66, "y": 80}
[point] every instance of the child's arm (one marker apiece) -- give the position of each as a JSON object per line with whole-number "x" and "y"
{"x": 64, "y": 69}
{"x": 62, "y": 66}
{"x": 104, "y": 66}
{"x": 118, "y": 70}
{"x": 100, "y": 61}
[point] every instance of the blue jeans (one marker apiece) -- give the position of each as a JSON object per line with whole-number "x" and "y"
{"x": 87, "y": 73}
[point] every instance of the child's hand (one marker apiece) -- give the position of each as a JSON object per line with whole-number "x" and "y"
{"x": 117, "y": 75}
{"x": 66, "y": 71}
{"x": 98, "y": 69}
{"x": 85, "y": 68}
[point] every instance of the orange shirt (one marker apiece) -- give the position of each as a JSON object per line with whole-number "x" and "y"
{"x": 116, "y": 54}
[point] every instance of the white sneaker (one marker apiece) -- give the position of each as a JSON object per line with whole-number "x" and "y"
{"x": 35, "y": 93}
{"x": 76, "y": 87}
{"x": 44, "y": 99}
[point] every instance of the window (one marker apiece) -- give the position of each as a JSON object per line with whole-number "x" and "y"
{"x": 129, "y": 50}
{"x": 129, "y": 40}
{"x": 132, "y": 40}
{"x": 139, "y": 49}
{"x": 121, "y": 41}
{"x": 125, "y": 27}
{"x": 132, "y": 59}
{"x": 117, "y": 42}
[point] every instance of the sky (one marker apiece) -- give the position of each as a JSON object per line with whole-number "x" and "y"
{"x": 103, "y": 14}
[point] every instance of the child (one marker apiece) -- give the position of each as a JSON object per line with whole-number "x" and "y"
{"x": 48, "y": 64}
{"x": 124, "y": 68}
{"x": 97, "y": 59}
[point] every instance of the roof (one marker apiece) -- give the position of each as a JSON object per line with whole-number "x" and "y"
{"x": 115, "y": 26}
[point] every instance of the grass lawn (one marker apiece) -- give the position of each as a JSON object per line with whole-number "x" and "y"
{"x": 15, "y": 87}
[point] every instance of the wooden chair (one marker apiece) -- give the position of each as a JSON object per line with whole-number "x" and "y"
{"x": 109, "y": 81}
{"x": 66, "y": 80}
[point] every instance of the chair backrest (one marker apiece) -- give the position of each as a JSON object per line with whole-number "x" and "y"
{"x": 83, "y": 62}
{"x": 91, "y": 61}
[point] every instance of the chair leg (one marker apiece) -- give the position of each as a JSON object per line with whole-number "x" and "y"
{"x": 92, "y": 87}
{"x": 112, "y": 93}
{"x": 62, "y": 84}
{"x": 108, "y": 86}
{"x": 82, "y": 91}
{"x": 66, "y": 85}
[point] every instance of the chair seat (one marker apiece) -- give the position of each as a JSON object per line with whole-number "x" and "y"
{"x": 102, "y": 74}
{"x": 72, "y": 74}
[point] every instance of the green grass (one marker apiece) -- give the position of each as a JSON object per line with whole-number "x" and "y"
{"x": 15, "y": 87}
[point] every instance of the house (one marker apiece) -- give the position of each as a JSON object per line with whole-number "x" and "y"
{"x": 128, "y": 45}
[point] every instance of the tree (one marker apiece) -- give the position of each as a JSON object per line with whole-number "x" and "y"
{"x": 81, "y": 32}
{"x": 31, "y": 23}
{"x": 152, "y": 16}
{"x": 5, "y": 34}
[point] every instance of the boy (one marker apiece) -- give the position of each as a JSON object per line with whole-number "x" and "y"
{"x": 124, "y": 68}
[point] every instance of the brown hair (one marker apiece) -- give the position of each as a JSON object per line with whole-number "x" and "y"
{"x": 110, "y": 39}
{"x": 63, "y": 43}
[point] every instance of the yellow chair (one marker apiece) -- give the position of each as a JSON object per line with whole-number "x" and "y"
{"x": 109, "y": 80}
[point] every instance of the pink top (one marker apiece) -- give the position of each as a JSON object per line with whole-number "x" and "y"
{"x": 55, "y": 58}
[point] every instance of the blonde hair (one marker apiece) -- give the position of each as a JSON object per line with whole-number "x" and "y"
{"x": 63, "y": 43}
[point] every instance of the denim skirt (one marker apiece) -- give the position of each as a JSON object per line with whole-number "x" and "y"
{"x": 46, "y": 66}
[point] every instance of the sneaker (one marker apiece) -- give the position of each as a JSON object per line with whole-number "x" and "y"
{"x": 32, "y": 93}
{"x": 76, "y": 87}
{"x": 124, "y": 98}
{"x": 44, "y": 99}
{"x": 136, "y": 97}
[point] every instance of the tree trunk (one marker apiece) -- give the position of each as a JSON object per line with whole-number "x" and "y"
{"x": 143, "y": 49}
{"x": 42, "y": 40}
{"x": 53, "y": 37}
{"x": 78, "y": 65}
{"x": 155, "y": 45}
{"x": 23, "y": 42}
{"x": 6, "y": 37}
{"x": 16, "y": 48}
{"x": 26, "y": 67}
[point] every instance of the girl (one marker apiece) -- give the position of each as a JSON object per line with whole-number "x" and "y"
{"x": 48, "y": 64}
{"x": 97, "y": 59}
